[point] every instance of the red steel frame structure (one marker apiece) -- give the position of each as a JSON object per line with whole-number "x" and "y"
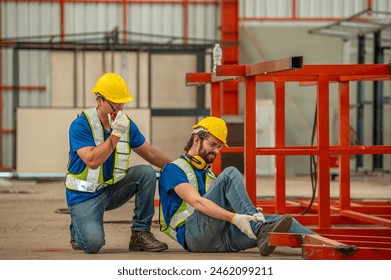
{"x": 348, "y": 229}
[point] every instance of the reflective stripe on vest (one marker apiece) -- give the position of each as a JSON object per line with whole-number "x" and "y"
{"x": 91, "y": 180}
{"x": 184, "y": 210}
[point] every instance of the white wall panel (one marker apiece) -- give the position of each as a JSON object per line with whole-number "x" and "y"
{"x": 204, "y": 22}
{"x": 25, "y": 19}
{"x": 33, "y": 70}
{"x": 165, "y": 20}
{"x": 87, "y": 18}
{"x": 168, "y": 84}
{"x": 54, "y": 159}
{"x": 265, "y": 8}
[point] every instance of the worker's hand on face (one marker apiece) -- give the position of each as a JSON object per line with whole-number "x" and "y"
{"x": 259, "y": 216}
{"x": 243, "y": 223}
{"x": 119, "y": 125}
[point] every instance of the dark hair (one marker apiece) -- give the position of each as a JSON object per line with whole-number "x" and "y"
{"x": 201, "y": 134}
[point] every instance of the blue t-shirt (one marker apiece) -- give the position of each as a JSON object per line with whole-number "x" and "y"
{"x": 80, "y": 136}
{"x": 170, "y": 177}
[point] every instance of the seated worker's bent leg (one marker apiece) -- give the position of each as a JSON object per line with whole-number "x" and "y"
{"x": 232, "y": 194}
{"x": 87, "y": 224}
{"x": 206, "y": 234}
{"x": 295, "y": 227}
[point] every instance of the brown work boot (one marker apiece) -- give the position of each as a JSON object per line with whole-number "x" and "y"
{"x": 281, "y": 225}
{"x": 145, "y": 241}
{"x": 74, "y": 245}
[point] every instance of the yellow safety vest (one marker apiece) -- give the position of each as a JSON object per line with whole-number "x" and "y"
{"x": 91, "y": 180}
{"x": 184, "y": 210}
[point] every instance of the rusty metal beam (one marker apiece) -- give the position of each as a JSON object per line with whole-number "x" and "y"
{"x": 322, "y": 252}
{"x": 319, "y": 247}
{"x": 334, "y": 72}
{"x": 262, "y": 68}
{"x": 274, "y": 66}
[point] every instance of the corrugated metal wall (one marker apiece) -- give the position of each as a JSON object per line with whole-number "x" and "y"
{"x": 306, "y": 9}
{"x": 196, "y": 19}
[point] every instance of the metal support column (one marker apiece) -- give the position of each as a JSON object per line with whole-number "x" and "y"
{"x": 378, "y": 105}
{"x": 360, "y": 103}
{"x": 15, "y": 97}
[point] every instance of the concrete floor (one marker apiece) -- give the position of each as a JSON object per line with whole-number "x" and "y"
{"x": 34, "y": 225}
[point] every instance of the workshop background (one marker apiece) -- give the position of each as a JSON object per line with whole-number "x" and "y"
{"x": 52, "y": 53}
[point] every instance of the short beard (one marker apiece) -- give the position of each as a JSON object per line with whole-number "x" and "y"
{"x": 208, "y": 157}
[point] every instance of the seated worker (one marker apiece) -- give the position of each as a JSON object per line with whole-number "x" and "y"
{"x": 99, "y": 178}
{"x": 209, "y": 213}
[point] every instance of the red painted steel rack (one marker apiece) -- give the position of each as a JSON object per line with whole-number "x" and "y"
{"x": 348, "y": 229}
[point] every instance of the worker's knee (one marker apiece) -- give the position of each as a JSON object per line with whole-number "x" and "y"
{"x": 94, "y": 244}
{"x": 232, "y": 171}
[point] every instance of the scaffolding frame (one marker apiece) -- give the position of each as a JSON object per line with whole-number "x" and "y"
{"x": 348, "y": 229}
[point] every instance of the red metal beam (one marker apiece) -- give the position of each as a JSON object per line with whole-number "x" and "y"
{"x": 1, "y": 89}
{"x": 323, "y": 248}
{"x": 250, "y": 138}
{"x": 229, "y": 18}
{"x": 159, "y": 2}
{"x": 124, "y": 19}
{"x": 274, "y": 66}
{"x": 280, "y": 189}
{"x": 6, "y": 87}
{"x": 186, "y": 20}
{"x": 366, "y": 218}
{"x": 62, "y": 20}
{"x": 344, "y": 141}
{"x": 216, "y": 111}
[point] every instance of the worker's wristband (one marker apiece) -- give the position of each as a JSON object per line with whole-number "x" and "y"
{"x": 116, "y": 135}
{"x": 232, "y": 219}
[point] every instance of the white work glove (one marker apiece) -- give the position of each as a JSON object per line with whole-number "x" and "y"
{"x": 259, "y": 216}
{"x": 243, "y": 223}
{"x": 119, "y": 125}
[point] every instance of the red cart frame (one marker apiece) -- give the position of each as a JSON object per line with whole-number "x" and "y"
{"x": 348, "y": 229}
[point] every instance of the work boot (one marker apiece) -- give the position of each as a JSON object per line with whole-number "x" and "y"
{"x": 281, "y": 225}
{"x": 74, "y": 245}
{"x": 145, "y": 241}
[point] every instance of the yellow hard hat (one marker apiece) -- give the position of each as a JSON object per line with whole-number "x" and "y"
{"x": 214, "y": 126}
{"x": 113, "y": 87}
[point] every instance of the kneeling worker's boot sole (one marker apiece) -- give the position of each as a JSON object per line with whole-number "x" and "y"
{"x": 146, "y": 249}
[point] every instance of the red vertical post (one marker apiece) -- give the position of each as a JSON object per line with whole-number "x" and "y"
{"x": 294, "y": 9}
{"x": 344, "y": 142}
{"x": 279, "y": 144}
{"x": 124, "y": 19}
{"x": 250, "y": 139}
{"x": 216, "y": 111}
{"x": 1, "y": 91}
{"x": 230, "y": 33}
{"x": 62, "y": 20}
{"x": 185, "y": 21}
{"x": 324, "y": 156}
